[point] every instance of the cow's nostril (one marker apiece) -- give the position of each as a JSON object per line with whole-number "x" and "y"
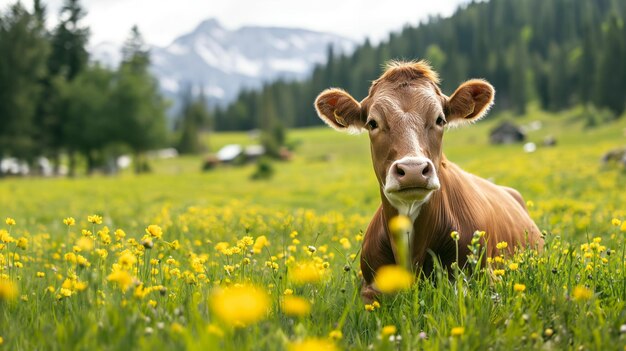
{"x": 426, "y": 170}
{"x": 400, "y": 171}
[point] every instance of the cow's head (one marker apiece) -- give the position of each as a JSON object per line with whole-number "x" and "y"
{"x": 405, "y": 114}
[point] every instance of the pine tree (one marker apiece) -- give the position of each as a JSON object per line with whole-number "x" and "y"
{"x": 22, "y": 67}
{"x": 139, "y": 118}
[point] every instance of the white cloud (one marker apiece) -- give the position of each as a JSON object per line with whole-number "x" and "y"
{"x": 162, "y": 21}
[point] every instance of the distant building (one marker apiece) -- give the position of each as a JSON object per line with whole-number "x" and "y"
{"x": 506, "y": 133}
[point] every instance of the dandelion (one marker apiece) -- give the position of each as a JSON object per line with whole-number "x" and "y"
{"x": 126, "y": 260}
{"x": 312, "y": 345}
{"x": 581, "y": 293}
{"x": 519, "y": 287}
{"x": 94, "y": 219}
{"x": 40, "y": 274}
{"x": 392, "y": 278}
{"x": 288, "y": 292}
{"x": 154, "y": 231}
{"x": 498, "y": 272}
{"x": 10, "y": 221}
{"x": 119, "y": 234}
{"x": 122, "y": 278}
{"x": 296, "y": 306}
{"x": 259, "y": 244}
{"x": 306, "y": 272}
{"x": 388, "y": 330}
{"x": 502, "y": 245}
{"x": 69, "y": 221}
{"x": 8, "y": 290}
{"x": 64, "y": 292}
{"x": 399, "y": 225}
{"x": 345, "y": 243}
{"x": 616, "y": 222}
{"x": 457, "y": 331}
{"x": 240, "y": 305}
{"x": 335, "y": 334}
{"x": 513, "y": 266}
{"x": 22, "y": 243}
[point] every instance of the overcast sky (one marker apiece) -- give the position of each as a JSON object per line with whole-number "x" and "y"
{"x": 162, "y": 21}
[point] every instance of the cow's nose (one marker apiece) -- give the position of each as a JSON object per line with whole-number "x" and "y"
{"x": 413, "y": 174}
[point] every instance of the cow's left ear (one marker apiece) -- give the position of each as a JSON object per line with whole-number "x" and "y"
{"x": 470, "y": 102}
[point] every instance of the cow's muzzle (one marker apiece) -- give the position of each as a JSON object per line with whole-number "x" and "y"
{"x": 412, "y": 174}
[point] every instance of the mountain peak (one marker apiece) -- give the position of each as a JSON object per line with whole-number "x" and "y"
{"x": 224, "y": 61}
{"x": 208, "y": 25}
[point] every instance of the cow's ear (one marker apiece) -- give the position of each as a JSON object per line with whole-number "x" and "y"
{"x": 339, "y": 110}
{"x": 470, "y": 102}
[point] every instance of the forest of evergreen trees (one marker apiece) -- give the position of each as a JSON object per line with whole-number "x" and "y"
{"x": 556, "y": 53}
{"x": 54, "y": 102}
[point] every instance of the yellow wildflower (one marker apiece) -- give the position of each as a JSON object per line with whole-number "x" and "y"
{"x": 10, "y": 221}
{"x": 312, "y": 345}
{"x": 41, "y": 274}
{"x": 513, "y": 266}
{"x": 240, "y": 305}
{"x": 388, "y": 330}
{"x": 457, "y": 331}
{"x": 498, "y": 272}
{"x": 345, "y": 243}
{"x": 502, "y": 245}
{"x": 8, "y": 290}
{"x": 127, "y": 259}
{"x": 454, "y": 235}
{"x": 296, "y": 306}
{"x": 581, "y": 293}
{"x": 306, "y": 272}
{"x": 259, "y": 244}
{"x": 122, "y": 278}
{"x": 399, "y": 225}
{"x": 519, "y": 287}
{"x": 69, "y": 221}
{"x": 22, "y": 243}
{"x": 335, "y": 334}
{"x": 392, "y": 278}
{"x": 119, "y": 234}
{"x": 85, "y": 243}
{"x": 154, "y": 231}
{"x": 95, "y": 219}
{"x": 616, "y": 222}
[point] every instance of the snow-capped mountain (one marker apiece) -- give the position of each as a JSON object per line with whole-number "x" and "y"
{"x": 224, "y": 61}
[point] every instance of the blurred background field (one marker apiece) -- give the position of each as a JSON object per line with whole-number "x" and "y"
{"x": 571, "y": 188}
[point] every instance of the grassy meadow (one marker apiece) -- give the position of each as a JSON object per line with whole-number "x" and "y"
{"x": 181, "y": 259}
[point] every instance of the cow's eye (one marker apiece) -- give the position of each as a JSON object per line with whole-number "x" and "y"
{"x": 372, "y": 124}
{"x": 441, "y": 121}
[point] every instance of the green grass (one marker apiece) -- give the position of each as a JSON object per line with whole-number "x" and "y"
{"x": 326, "y": 195}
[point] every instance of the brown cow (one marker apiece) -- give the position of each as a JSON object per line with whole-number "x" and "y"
{"x": 405, "y": 114}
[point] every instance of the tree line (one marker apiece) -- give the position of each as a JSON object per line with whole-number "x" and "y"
{"x": 55, "y": 102}
{"x": 556, "y": 53}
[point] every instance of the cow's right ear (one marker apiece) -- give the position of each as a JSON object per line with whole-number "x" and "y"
{"x": 339, "y": 110}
